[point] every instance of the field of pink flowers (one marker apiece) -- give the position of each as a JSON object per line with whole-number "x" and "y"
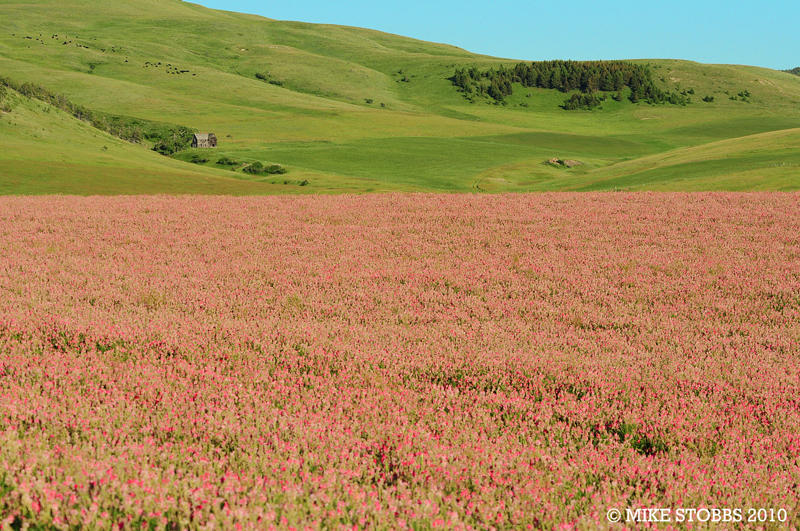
{"x": 392, "y": 361}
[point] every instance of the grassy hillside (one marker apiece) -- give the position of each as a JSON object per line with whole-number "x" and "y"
{"x": 48, "y": 151}
{"x": 348, "y": 109}
{"x": 764, "y": 161}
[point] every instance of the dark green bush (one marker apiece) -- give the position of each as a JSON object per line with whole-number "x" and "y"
{"x": 258, "y": 168}
{"x": 708, "y": 99}
{"x": 276, "y": 169}
{"x": 167, "y": 147}
{"x": 582, "y": 101}
{"x": 197, "y": 158}
{"x": 171, "y": 141}
{"x": 226, "y": 161}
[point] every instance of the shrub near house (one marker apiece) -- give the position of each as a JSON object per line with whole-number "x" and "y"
{"x": 257, "y": 168}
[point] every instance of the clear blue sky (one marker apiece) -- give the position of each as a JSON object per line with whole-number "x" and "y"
{"x": 756, "y": 32}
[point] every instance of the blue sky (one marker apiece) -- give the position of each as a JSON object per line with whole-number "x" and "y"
{"x": 764, "y": 33}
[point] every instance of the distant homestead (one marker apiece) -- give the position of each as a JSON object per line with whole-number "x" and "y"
{"x": 204, "y": 140}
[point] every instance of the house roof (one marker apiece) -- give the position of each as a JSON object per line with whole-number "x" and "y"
{"x": 201, "y": 136}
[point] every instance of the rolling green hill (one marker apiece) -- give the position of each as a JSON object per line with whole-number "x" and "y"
{"x": 349, "y": 109}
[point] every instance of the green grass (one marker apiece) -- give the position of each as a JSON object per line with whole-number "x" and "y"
{"x": 765, "y": 161}
{"x": 415, "y": 135}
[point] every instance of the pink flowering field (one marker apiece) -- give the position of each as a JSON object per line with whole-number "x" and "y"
{"x": 397, "y": 361}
